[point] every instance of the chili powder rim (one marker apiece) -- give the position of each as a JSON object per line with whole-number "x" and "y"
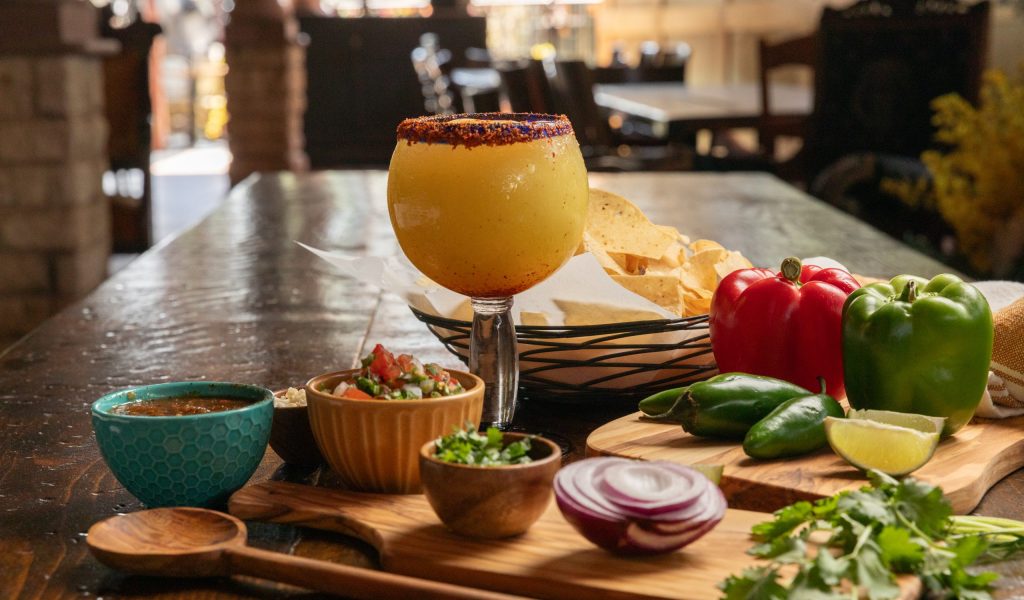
{"x": 439, "y": 129}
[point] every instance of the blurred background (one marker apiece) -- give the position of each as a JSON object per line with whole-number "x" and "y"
{"x": 123, "y": 122}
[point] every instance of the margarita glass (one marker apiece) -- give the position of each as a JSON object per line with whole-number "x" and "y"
{"x": 488, "y": 205}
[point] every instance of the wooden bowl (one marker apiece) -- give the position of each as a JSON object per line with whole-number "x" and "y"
{"x": 292, "y": 437}
{"x": 374, "y": 445}
{"x": 491, "y": 502}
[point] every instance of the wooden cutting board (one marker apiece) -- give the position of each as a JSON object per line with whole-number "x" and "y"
{"x": 965, "y": 465}
{"x": 550, "y": 560}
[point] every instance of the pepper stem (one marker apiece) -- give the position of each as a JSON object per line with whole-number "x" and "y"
{"x": 910, "y": 292}
{"x": 821, "y": 382}
{"x": 791, "y": 268}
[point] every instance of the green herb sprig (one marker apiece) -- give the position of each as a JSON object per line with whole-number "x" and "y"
{"x": 469, "y": 447}
{"x": 891, "y": 527}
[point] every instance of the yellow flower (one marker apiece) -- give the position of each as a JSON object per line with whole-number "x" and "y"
{"x": 978, "y": 180}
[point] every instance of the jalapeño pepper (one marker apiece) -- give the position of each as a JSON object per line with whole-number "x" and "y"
{"x": 797, "y": 426}
{"x": 726, "y": 405}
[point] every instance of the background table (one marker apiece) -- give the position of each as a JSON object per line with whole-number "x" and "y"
{"x": 675, "y": 109}
{"x": 235, "y": 299}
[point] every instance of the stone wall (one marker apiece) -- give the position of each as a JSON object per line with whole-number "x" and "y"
{"x": 54, "y": 218}
{"x": 266, "y": 89}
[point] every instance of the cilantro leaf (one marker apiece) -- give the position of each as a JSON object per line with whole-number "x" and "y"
{"x": 866, "y": 507}
{"x": 785, "y": 521}
{"x": 924, "y": 505}
{"x": 755, "y": 583}
{"x": 899, "y": 550}
{"x": 873, "y": 576}
{"x": 783, "y": 549}
{"x": 832, "y": 570}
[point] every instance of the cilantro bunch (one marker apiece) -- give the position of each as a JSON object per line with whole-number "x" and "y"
{"x": 870, "y": 535}
{"x": 469, "y": 447}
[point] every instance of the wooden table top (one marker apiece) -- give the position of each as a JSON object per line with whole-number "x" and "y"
{"x": 687, "y": 108}
{"x": 235, "y": 299}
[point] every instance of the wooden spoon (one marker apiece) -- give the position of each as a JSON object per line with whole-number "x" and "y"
{"x": 195, "y": 542}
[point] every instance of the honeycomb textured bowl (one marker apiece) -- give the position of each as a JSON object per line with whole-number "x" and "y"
{"x": 192, "y": 460}
{"x": 374, "y": 445}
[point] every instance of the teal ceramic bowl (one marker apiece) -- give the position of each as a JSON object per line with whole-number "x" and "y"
{"x": 192, "y": 460}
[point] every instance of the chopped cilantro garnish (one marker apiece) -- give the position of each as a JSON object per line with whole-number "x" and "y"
{"x": 469, "y": 447}
{"x": 891, "y": 527}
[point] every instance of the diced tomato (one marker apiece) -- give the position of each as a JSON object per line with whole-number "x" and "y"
{"x": 354, "y": 393}
{"x": 405, "y": 361}
{"x": 383, "y": 364}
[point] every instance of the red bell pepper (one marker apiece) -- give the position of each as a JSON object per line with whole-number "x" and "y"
{"x": 786, "y": 325}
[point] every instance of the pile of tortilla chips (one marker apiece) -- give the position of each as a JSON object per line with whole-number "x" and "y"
{"x": 655, "y": 261}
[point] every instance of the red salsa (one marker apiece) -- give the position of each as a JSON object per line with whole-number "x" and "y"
{"x": 177, "y": 407}
{"x": 385, "y": 377}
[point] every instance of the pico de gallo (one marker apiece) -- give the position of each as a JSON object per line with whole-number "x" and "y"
{"x": 385, "y": 377}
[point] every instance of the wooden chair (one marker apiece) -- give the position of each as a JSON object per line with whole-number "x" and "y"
{"x": 525, "y": 86}
{"x": 572, "y": 87}
{"x": 882, "y": 62}
{"x": 128, "y": 110}
{"x": 802, "y": 51}
{"x": 736, "y": 153}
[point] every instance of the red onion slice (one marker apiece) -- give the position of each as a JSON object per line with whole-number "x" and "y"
{"x": 649, "y": 488}
{"x": 633, "y": 507}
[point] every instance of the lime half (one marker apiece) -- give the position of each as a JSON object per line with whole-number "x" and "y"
{"x": 870, "y": 444}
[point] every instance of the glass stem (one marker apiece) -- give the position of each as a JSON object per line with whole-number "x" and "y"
{"x": 494, "y": 358}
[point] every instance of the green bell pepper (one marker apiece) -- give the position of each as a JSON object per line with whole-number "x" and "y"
{"x": 918, "y": 346}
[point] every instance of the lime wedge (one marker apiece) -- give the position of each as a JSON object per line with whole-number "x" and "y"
{"x": 890, "y": 417}
{"x": 712, "y": 472}
{"x": 892, "y": 449}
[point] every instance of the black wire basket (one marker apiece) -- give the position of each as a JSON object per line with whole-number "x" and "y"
{"x": 617, "y": 363}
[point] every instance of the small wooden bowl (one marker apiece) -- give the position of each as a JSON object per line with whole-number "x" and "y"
{"x": 491, "y": 502}
{"x": 292, "y": 437}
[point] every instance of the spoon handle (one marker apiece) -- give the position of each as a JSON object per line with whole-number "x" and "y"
{"x": 352, "y": 582}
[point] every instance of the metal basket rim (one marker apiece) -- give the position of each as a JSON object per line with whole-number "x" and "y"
{"x": 578, "y": 330}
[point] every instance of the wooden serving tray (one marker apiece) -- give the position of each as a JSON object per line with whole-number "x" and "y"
{"x": 965, "y": 465}
{"x": 550, "y": 560}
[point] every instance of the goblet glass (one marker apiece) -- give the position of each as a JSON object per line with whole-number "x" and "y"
{"x": 488, "y": 205}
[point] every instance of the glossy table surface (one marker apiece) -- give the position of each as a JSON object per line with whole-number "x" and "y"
{"x": 235, "y": 299}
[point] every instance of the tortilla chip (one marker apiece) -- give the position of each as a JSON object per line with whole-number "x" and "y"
{"x": 631, "y": 263}
{"x": 733, "y": 261}
{"x": 592, "y": 313}
{"x": 620, "y": 227}
{"x": 662, "y": 290}
{"x": 701, "y": 245}
{"x": 702, "y": 266}
{"x": 606, "y": 261}
{"x": 697, "y": 305}
{"x": 463, "y": 312}
{"x": 537, "y": 319}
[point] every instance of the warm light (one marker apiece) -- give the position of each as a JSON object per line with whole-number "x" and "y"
{"x": 396, "y": 4}
{"x": 510, "y": 2}
{"x": 542, "y": 51}
{"x": 530, "y": 2}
